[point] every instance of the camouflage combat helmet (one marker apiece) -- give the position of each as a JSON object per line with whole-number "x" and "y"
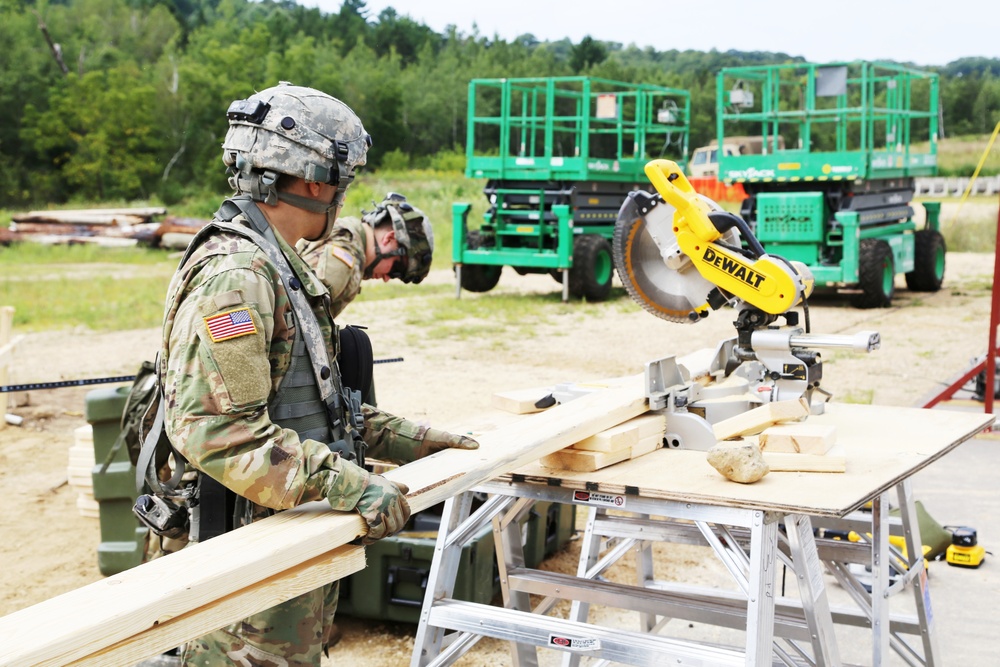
{"x": 297, "y": 131}
{"x": 413, "y": 235}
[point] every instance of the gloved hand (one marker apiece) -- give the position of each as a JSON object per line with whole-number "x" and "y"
{"x": 381, "y": 503}
{"x": 392, "y": 438}
{"x": 384, "y": 508}
{"x": 435, "y": 440}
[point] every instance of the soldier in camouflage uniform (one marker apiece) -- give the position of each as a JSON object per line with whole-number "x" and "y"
{"x": 251, "y": 398}
{"x": 395, "y": 240}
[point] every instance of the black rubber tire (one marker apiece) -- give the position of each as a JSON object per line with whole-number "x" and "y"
{"x": 876, "y": 275}
{"x": 556, "y": 275}
{"x": 928, "y": 262}
{"x": 479, "y": 277}
{"x": 593, "y": 268}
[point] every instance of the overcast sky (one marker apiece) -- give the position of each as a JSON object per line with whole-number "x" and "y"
{"x": 924, "y": 32}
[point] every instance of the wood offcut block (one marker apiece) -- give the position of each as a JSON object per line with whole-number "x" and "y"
{"x": 802, "y": 438}
{"x": 754, "y": 421}
{"x": 624, "y": 435}
{"x": 578, "y": 460}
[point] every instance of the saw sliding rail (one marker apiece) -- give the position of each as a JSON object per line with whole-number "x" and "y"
{"x": 751, "y": 544}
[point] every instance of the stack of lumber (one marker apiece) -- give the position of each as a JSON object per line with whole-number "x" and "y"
{"x": 104, "y": 226}
{"x": 109, "y": 227}
{"x": 176, "y": 233}
{"x": 78, "y": 471}
{"x": 630, "y": 440}
{"x": 787, "y": 441}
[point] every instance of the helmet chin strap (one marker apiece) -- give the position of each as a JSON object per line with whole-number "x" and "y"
{"x": 316, "y": 206}
{"x": 379, "y": 256}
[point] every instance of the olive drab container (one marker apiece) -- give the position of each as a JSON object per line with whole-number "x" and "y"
{"x": 393, "y": 585}
{"x": 122, "y": 536}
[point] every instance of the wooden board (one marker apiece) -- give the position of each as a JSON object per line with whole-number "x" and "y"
{"x": 624, "y": 435}
{"x": 803, "y": 438}
{"x": 589, "y": 461}
{"x": 756, "y": 420}
{"x": 583, "y": 461}
{"x": 101, "y": 622}
{"x": 882, "y": 445}
{"x": 537, "y": 399}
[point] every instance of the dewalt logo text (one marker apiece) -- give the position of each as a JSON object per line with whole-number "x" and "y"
{"x": 741, "y": 272}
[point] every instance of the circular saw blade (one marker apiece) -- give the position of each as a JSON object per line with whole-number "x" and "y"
{"x": 674, "y": 294}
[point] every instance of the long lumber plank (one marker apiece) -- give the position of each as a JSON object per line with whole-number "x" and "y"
{"x": 79, "y": 626}
{"x": 302, "y": 578}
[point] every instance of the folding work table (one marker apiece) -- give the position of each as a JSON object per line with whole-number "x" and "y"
{"x": 675, "y": 495}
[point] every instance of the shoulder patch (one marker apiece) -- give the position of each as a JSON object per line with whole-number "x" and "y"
{"x": 343, "y": 255}
{"x": 231, "y": 324}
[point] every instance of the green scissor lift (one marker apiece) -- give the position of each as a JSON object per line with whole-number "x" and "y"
{"x": 559, "y": 155}
{"x": 836, "y": 195}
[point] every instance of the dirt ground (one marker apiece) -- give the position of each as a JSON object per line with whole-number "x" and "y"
{"x": 48, "y": 548}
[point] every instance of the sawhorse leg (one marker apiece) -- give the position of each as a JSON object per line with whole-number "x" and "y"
{"x": 510, "y": 555}
{"x": 457, "y": 527}
{"x": 911, "y": 573}
{"x": 812, "y": 590}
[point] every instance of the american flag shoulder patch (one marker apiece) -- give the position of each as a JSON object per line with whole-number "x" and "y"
{"x": 343, "y": 255}
{"x": 231, "y": 324}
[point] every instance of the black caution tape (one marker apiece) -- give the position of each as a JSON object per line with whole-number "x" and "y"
{"x": 8, "y": 388}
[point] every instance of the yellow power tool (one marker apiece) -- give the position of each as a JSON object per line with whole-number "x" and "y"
{"x": 679, "y": 254}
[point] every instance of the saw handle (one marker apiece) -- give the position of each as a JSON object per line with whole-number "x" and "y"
{"x": 692, "y": 211}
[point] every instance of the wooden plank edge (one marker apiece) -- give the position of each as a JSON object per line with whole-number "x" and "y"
{"x": 302, "y": 578}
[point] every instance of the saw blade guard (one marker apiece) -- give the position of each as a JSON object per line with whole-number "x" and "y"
{"x": 655, "y": 271}
{"x": 770, "y": 283}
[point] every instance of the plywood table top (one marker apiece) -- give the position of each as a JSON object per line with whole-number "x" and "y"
{"x": 883, "y": 445}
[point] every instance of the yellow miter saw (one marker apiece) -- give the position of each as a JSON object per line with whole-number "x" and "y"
{"x": 680, "y": 256}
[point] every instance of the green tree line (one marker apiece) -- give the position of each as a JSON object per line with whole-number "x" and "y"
{"x": 126, "y": 99}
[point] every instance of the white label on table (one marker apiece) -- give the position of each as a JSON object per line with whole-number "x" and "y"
{"x": 602, "y": 499}
{"x": 574, "y": 644}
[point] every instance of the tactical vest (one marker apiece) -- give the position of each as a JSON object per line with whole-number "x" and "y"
{"x": 311, "y": 400}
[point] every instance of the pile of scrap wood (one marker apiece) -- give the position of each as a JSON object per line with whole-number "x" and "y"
{"x": 103, "y": 226}
{"x": 771, "y": 437}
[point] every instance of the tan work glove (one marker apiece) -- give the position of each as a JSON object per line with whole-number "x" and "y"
{"x": 435, "y": 440}
{"x": 381, "y": 503}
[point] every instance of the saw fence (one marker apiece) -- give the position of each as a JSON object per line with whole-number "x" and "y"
{"x": 151, "y": 608}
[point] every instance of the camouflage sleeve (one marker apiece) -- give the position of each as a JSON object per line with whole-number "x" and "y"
{"x": 218, "y": 379}
{"x": 391, "y": 438}
{"x": 339, "y": 261}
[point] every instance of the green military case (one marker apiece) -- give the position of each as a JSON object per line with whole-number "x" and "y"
{"x": 393, "y": 584}
{"x": 122, "y": 536}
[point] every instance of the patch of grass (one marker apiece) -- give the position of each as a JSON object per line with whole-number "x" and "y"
{"x": 958, "y": 156}
{"x": 103, "y": 289}
{"x": 374, "y": 291}
{"x": 13, "y": 258}
{"x": 974, "y": 231}
{"x": 100, "y": 303}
